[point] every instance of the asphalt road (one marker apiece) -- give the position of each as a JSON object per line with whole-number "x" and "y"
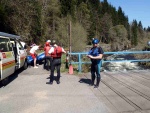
{"x": 119, "y": 92}
{"x": 27, "y": 92}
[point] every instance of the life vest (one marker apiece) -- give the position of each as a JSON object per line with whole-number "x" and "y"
{"x": 94, "y": 51}
{"x": 47, "y": 48}
{"x": 57, "y": 52}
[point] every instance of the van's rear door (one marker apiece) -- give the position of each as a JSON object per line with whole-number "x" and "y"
{"x": 7, "y": 57}
{"x": 0, "y": 65}
{"x": 21, "y": 54}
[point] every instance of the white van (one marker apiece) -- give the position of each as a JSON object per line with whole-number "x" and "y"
{"x": 12, "y": 55}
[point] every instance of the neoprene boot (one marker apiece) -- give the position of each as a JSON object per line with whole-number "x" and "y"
{"x": 93, "y": 79}
{"x": 58, "y": 82}
{"x": 97, "y": 83}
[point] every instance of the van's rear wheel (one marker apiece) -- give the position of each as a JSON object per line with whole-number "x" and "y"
{"x": 25, "y": 66}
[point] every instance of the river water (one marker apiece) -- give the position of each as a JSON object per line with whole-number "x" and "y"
{"x": 121, "y": 66}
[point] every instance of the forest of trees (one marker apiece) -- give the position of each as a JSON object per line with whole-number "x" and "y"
{"x": 39, "y": 20}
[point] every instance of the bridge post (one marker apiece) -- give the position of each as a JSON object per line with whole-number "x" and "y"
{"x": 80, "y": 63}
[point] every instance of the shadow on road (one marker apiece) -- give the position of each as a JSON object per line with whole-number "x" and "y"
{"x": 85, "y": 80}
{"x": 10, "y": 78}
{"x": 54, "y": 79}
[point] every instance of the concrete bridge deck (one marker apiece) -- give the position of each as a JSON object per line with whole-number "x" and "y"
{"x": 119, "y": 92}
{"x": 127, "y": 92}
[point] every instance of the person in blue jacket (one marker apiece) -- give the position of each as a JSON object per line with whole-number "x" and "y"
{"x": 95, "y": 54}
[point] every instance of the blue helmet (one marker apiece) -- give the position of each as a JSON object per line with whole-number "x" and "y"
{"x": 95, "y": 41}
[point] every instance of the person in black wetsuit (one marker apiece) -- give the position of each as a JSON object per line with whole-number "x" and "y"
{"x": 95, "y": 54}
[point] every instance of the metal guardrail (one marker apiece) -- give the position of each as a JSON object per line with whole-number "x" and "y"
{"x": 80, "y": 54}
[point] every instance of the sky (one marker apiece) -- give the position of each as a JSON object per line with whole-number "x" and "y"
{"x": 138, "y": 10}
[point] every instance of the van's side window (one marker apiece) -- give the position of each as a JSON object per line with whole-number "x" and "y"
{"x": 5, "y": 45}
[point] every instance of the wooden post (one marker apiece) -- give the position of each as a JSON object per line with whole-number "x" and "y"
{"x": 70, "y": 37}
{"x": 70, "y": 43}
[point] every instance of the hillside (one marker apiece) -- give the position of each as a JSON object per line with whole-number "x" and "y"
{"x": 76, "y": 20}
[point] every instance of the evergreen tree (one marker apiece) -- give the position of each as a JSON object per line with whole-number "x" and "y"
{"x": 4, "y": 24}
{"x": 53, "y": 18}
{"x": 140, "y": 25}
{"x": 48, "y": 19}
{"x": 140, "y": 31}
{"x": 114, "y": 16}
{"x": 134, "y": 38}
{"x": 148, "y": 29}
{"x": 120, "y": 16}
{"x": 83, "y": 15}
{"x": 68, "y": 7}
{"x": 106, "y": 24}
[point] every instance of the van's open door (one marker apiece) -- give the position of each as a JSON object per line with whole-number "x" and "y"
{"x": 21, "y": 54}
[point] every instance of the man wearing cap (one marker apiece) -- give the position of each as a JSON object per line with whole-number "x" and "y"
{"x": 95, "y": 54}
{"x": 48, "y": 41}
{"x": 33, "y": 54}
{"x": 56, "y": 53}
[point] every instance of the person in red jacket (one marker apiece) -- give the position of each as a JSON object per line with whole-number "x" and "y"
{"x": 56, "y": 53}
{"x": 48, "y": 58}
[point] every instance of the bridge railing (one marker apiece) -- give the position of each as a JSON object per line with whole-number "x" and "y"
{"x": 80, "y": 58}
